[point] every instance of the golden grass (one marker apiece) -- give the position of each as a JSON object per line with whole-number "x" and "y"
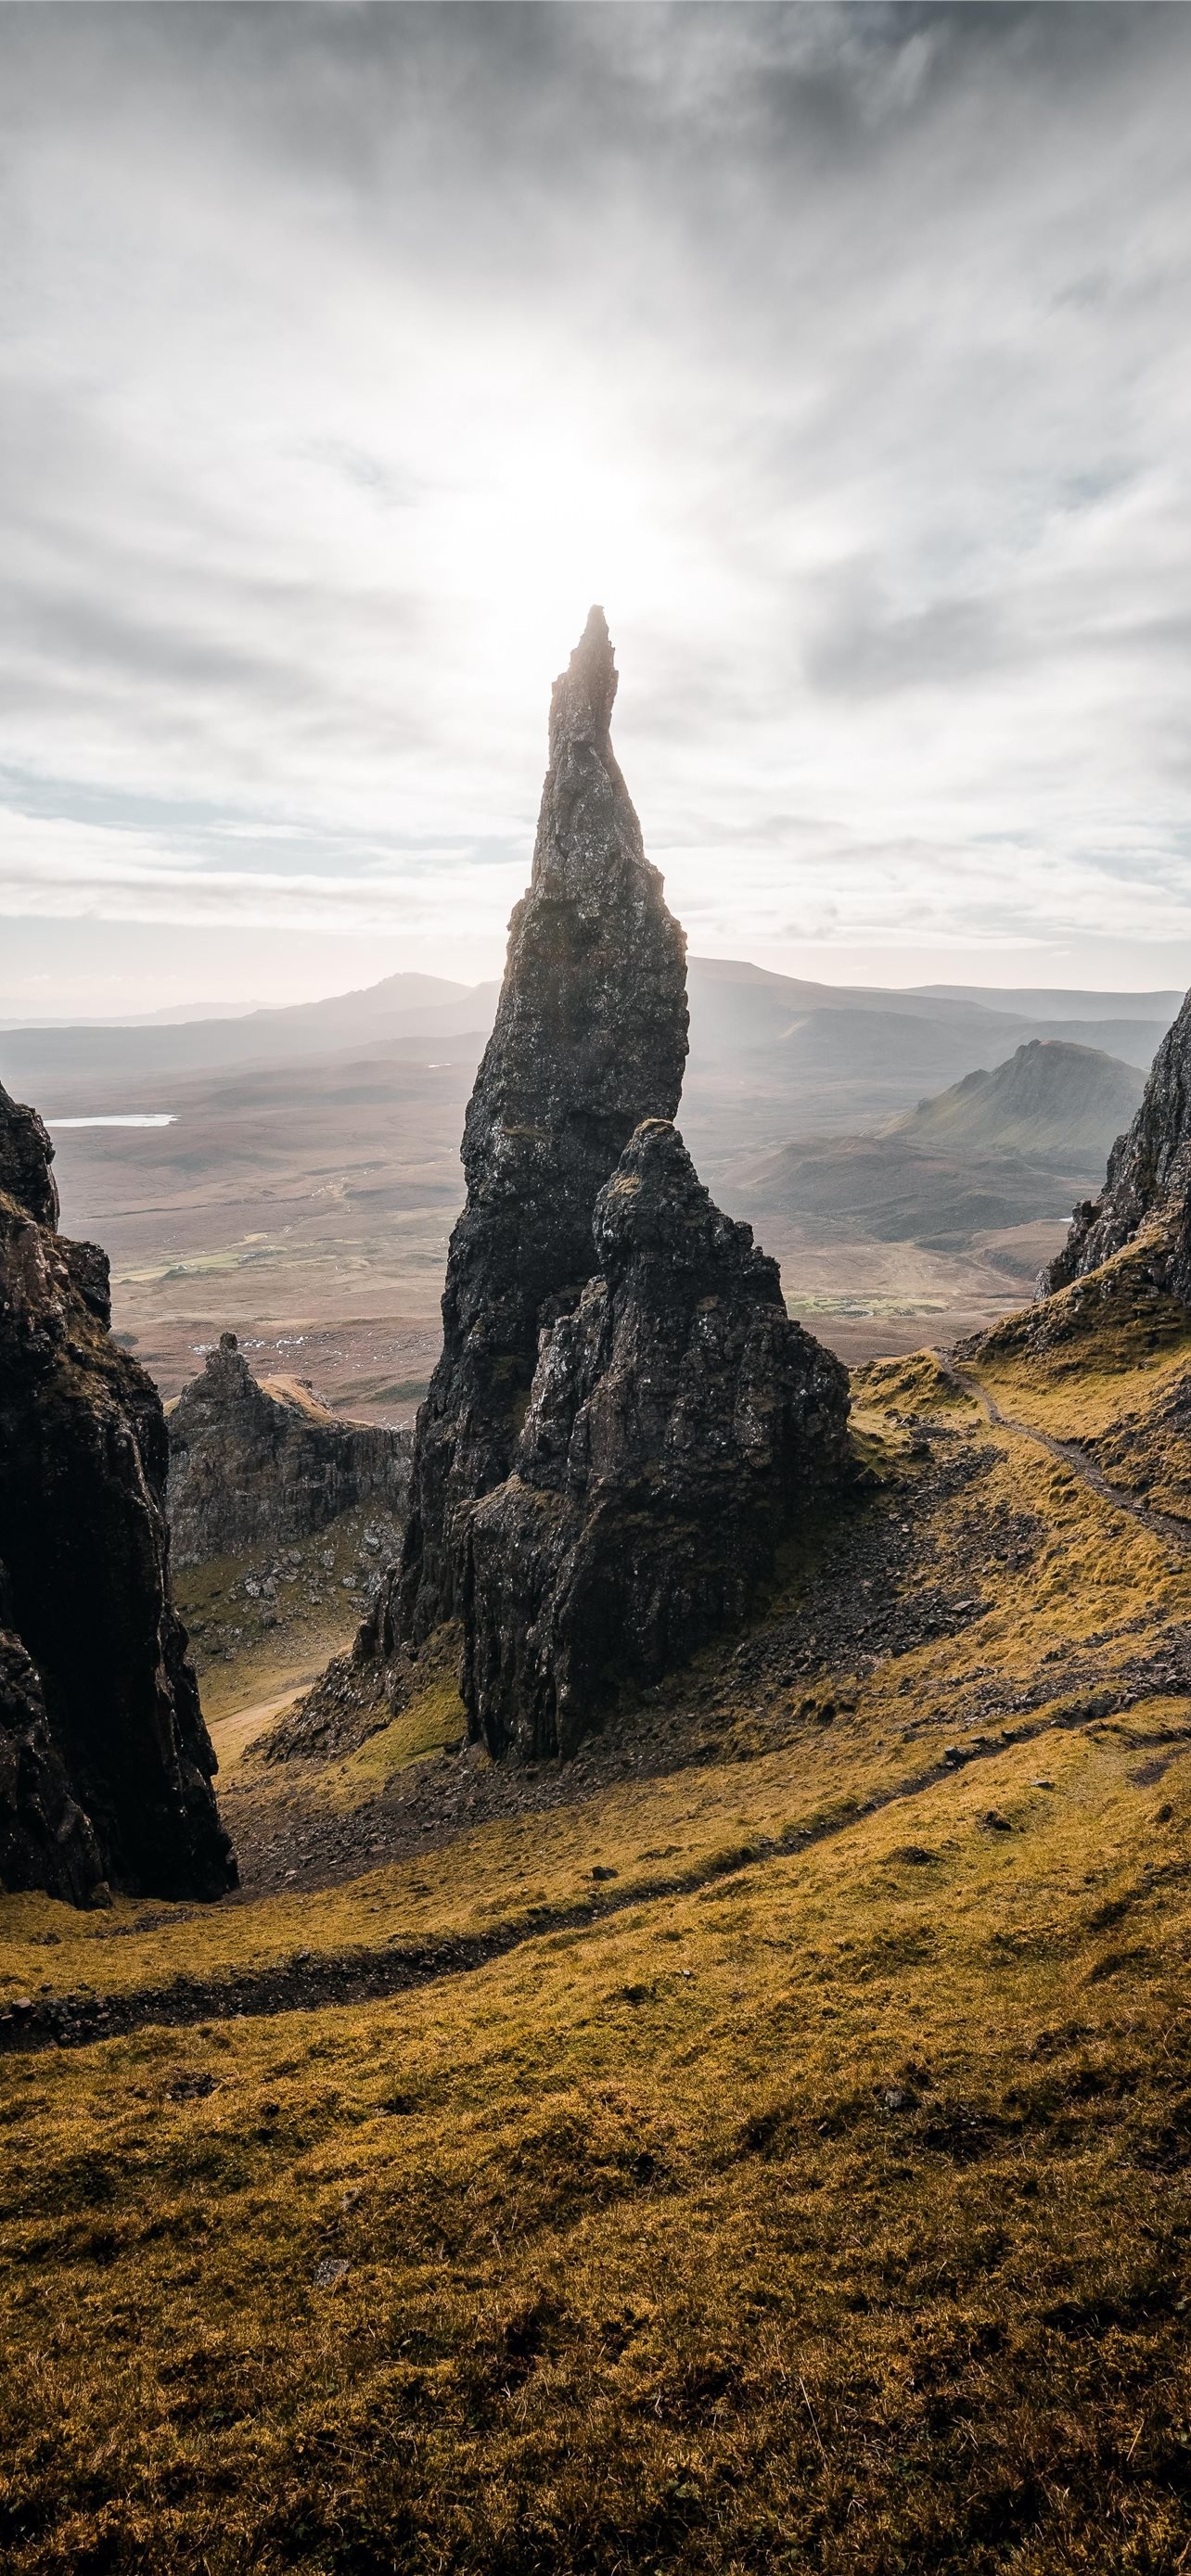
{"x": 1109, "y": 1381}
{"x": 828, "y": 2215}
{"x": 265, "y": 1660}
{"x": 1075, "y": 1351}
{"x": 646, "y": 2264}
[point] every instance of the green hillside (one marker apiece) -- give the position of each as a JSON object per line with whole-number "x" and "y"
{"x": 759, "y": 2144}
{"x": 1051, "y": 1102}
{"x": 996, "y": 1150}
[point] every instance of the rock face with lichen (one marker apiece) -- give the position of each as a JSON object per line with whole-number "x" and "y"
{"x": 590, "y": 1037}
{"x": 624, "y": 1416}
{"x": 1147, "y": 1187}
{"x": 677, "y": 1418}
{"x": 105, "y": 1762}
{"x": 267, "y": 1466}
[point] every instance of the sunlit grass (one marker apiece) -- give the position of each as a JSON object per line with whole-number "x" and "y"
{"x": 812, "y": 2197}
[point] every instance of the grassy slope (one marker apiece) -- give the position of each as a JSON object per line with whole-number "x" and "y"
{"x": 255, "y": 1646}
{"x": 828, "y": 2214}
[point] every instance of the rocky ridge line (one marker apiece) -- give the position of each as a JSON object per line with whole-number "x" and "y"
{"x": 255, "y": 1466}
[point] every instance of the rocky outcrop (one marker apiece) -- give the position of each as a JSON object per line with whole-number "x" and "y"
{"x": 255, "y": 1466}
{"x": 1148, "y": 1183}
{"x": 45, "y": 1839}
{"x": 677, "y": 1418}
{"x": 590, "y": 1037}
{"x": 25, "y": 1158}
{"x": 105, "y": 1763}
{"x": 624, "y": 1416}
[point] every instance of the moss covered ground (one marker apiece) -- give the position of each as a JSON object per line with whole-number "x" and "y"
{"x": 799, "y": 2178}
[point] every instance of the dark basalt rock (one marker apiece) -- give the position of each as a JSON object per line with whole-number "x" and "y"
{"x": 100, "y": 1709}
{"x": 266, "y": 1466}
{"x": 45, "y": 1839}
{"x": 590, "y": 1037}
{"x": 26, "y": 1154}
{"x": 624, "y": 1416}
{"x": 1148, "y": 1182}
{"x": 677, "y": 1418}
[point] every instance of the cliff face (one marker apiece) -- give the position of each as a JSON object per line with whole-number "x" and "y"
{"x": 623, "y": 1415}
{"x": 105, "y": 1763}
{"x": 590, "y": 1038}
{"x": 45, "y": 1839}
{"x": 676, "y": 1418}
{"x": 1148, "y": 1182}
{"x": 256, "y": 1466}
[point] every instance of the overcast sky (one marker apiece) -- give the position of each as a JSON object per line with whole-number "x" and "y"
{"x": 349, "y": 353}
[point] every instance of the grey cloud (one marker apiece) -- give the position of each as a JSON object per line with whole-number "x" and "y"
{"x": 862, "y": 649}
{"x": 863, "y": 321}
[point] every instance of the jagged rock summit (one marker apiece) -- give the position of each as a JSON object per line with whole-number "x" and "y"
{"x": 623, "y": 1415}
{"x": 255, "y": 1465}
{"x": 1147, "y": 1187}
{"x": 590, "y": 1037}
{"x": 677, "y": 1418}
{"x": 105, "y": 1762}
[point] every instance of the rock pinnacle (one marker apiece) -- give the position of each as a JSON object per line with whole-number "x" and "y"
{"x": 590, "y": 1037}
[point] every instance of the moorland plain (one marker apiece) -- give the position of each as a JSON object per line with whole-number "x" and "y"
{"x": 305, "y": 1195}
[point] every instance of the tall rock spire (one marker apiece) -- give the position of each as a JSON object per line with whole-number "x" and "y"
{"x": 624, "y": 1418}
{"x": 590, "y": 1038}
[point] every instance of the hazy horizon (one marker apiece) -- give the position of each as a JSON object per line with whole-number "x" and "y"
{"x": 349, "y": 354}
{"x": 322, "y": 990}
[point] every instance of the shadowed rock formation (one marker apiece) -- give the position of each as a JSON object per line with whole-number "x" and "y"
{"x": 266, "y": 1466}
{"x": 590, "y": 1038}
{"x": 624, "y": 1416}
{"x": 99, "y": 1709}
{"x": 45, "y": 1839}
{"x": 677, "y": 1417}
{"x": 1148, "y": 1182}
{"x": 25, "y": 1158}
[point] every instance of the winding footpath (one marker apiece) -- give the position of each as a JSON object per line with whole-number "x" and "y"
{"x": 1067, "y": 1452}
{"x": 306, "y": 1983}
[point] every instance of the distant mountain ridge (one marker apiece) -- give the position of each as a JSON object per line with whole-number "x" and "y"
{"x": 733, "y": 1003}
{"x": 1059, "y": 1002}
{"x": 320, "y": 1142}
{"x": 997, "y": 1150}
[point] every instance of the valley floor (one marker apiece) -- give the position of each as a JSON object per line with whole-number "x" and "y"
{"x": 762, "y": 2144}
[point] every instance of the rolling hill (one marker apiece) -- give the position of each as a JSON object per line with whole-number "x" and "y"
{"x": 996, "y": 1151}
{"x": 757, "y": 1037}
{"x": 1052, "y": 1102}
